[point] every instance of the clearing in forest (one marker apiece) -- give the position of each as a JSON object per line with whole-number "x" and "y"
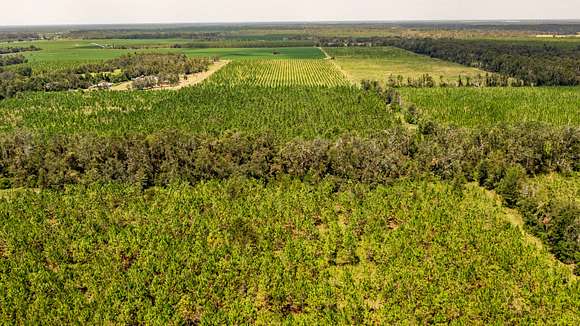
{"x": 377, "y": 63}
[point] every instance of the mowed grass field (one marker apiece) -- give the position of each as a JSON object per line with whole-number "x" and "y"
{"x": 239, "y": 251}
{"x": 378, "y": 63}
{"x": 69, "y": 53}
{"x": 276, "y": 73}
{"x": 471, "y": 107}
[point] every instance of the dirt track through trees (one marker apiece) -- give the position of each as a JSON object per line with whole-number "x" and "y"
{"x": 184, "y": 81}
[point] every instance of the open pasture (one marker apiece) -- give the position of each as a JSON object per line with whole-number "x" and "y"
{"x": 377, "y": 63}
{"x": 254, "y": 53}
{"x": 70, "y": 53}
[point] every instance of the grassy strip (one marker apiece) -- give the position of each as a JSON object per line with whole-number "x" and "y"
{"x": 550, "y": 206}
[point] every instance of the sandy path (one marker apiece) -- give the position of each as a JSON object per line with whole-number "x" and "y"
{"x": 346, "y": 74}
{"x": 184, "y": 81}
{"x": 194, "y": 79}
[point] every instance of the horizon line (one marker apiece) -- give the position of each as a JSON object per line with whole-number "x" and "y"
{"x": 293, "y": 22}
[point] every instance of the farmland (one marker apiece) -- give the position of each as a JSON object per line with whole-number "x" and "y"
{"x": 379, "y": 63}
{"x": 281, "y": 189}
{"x": 276, "y": 73}
{"x": 489, "y": 106}
{"x": 289, "y": 111}
{"x": 70, "y": 53}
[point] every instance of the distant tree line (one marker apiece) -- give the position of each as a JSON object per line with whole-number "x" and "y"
{"x": 246, "y": 44}
{"x": 531, "y": 28}
{"x": 541, "y": 65}
{"x": 145, "y": 34}
{"x": 165, "y": 68}
{"x": 426, "y": 80}
{"x": 20, "y": 36}
{"x": 17, "y": 49}
{"x": 533, "y": 63}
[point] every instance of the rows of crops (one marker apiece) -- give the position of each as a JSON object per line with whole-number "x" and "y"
{"x": 470, "y": 107}
{"x": 277, "y": 73}
{"x": 240, "y": 252}
{"x": 288, "y": 111}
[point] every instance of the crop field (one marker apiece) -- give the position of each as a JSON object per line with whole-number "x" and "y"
{"x": 255, "y": 53}
{"x": 47, "y": 61}
{"x": 238, "y": 251}
{"x": 471, "y": 107}
{"x": 69, "y": 53}
{"x": 289, "y": 111}
{"x": 378, "y": 63}
{"x": 278, "y": 73}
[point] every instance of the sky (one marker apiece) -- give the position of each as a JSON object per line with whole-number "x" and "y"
{"x": 55, "y": 12}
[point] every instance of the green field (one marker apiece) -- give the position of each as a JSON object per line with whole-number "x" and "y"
{"x": 255, "y": 53}
{"x": 472, "y": 107}
{"x": 69, "y": 53}
{"x": 564, "y": 188}
{"x": 380, "y": 62}
{"x": 288, "y": 111}
{"x": 241, "y": 252}
{"x": 277, "y": 73}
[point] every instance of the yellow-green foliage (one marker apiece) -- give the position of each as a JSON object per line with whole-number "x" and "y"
{"x": 280, "y": 73}
{"x": 563, "y": 188}
{"x": 310, "y": 112}
{"x": 240, "y": 252}
{"x": 377, "y": 63}
{"x": 473, "y": 107}
{"x": 550, "y": 205}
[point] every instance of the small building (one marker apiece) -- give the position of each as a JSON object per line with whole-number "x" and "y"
{"x": 104, "y": 85}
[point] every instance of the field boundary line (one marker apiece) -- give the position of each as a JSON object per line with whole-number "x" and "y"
{"x": 346, "y": 74}
{"x": 195, "y": 79}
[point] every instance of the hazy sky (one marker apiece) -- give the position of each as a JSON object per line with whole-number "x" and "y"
{"x": 26, "y": 12}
